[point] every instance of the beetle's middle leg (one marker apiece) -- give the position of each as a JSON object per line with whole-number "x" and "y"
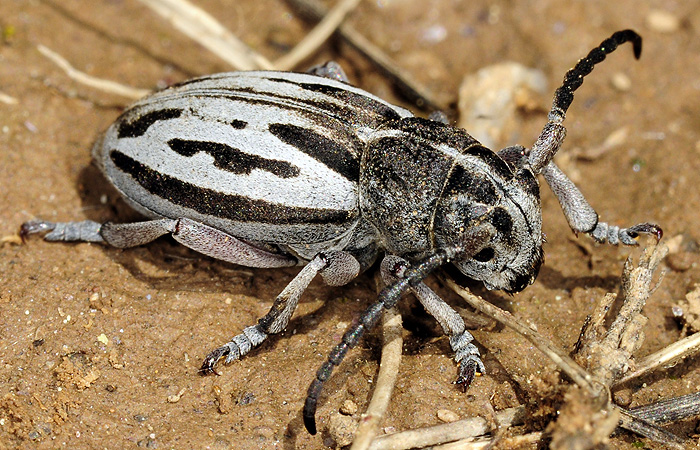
{"x": 336, "y": 267}
{"x": 466, "y": 353}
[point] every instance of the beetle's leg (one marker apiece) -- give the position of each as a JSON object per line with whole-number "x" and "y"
{"x": 197, "y": 236}
{"x": 583, "y": 218}
{"x": 474, "y": 240}
{"x": 336, "y": 268}
{"x": 85, "y": 231}
{"x": 579, "y": 213}
{"x": 466, "y": 353}
{"x": 331, "y": 70}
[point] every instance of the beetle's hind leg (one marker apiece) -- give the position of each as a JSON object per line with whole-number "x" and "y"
{"x": 195, "y": 235}
{"x": 336, "y": 268}
{"x": 466, "y": 353}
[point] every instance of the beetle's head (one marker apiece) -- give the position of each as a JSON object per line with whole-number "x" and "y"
{"x": 486, "y": 192}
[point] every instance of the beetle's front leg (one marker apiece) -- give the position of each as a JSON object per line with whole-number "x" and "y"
{"x": 466, "y": 353}
{"x": 336, "y": 268}
{"x": 583, "y": 218}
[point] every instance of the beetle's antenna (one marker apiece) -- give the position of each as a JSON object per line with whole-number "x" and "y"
{"x": 388, "y": 298}
{"x": 553, "y": 133}
{"x": 574, "y": 77}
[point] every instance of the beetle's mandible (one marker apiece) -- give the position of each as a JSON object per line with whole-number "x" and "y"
{"x": 275, "y": 169}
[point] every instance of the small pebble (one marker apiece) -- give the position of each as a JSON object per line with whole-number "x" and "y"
{"x": 447, "y": 416}
{"x": 621, "y": 82}
{"x": 680, "y": 262}
{"x": 342, "y": 429}
{"x": 623, "y": 397}
{"x": 176, "y": 398}
{"x": 677, "y": 311}
{"x": 348, "y": 408}
{"x": 662, "y": 21}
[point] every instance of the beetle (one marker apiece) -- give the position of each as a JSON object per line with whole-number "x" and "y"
{"x": 275, "y": 169}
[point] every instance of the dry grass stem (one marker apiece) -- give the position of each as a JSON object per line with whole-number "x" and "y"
{"x": 386, "y": 379}
{"x": 314, "y": 39}
{"x": 207, "y": 31}
{"x": 448, "y": 432}
{"x": 651, "y": 431}
{"x": 415, "y": 92}
{"x": 7, "y": 99}
{"x": 670, "y": 410}
{"x": 665, "y": 357}
{"x": 516, "y": 442}
{"x": 97, "y": 83}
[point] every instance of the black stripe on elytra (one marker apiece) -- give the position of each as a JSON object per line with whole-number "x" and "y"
{"x": 239, "y": 124}
{"x": 222, "y": 205}
{"x": 138, "y": 126}
{"x": 358, "y": 102}
{"x": 232, "y": 159}
{"x": 334, "y": 155}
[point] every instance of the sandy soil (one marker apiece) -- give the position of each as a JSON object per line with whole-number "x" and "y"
{"x": 99, "y": 348}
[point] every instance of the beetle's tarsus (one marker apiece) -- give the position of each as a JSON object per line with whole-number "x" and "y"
{"x": 467, "y": 372}
{"x": 209, "y": 364}
{"x": 35, "y": 227}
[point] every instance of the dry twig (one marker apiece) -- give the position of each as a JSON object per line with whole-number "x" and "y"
{"x": 447, "y": 432}
{"x": 515, "y": 442}
{"x": 410, "y": 87}
{"x": 608, "y": 353}
{"x": 207, "y": 31}
{"x": 558, "y": 356}
{"x": 386, "y": 379}
{"x": 665, "y": 357}
{"x": 81, "y": 77}
{"x": 316, "y": 37}
{"x": 669, "y": 410}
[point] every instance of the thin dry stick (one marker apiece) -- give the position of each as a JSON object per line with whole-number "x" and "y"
{"x": 669, "y": 410}
{"x": 314, "y": 39}
{"x": 207, "y": 31}
{"x": 651, "y": 431}
{"x": 511, "y": 442}
{"x": 97, "y": 83}
{"x": 386, "y": 379}
{"x": 674, "y": 352}
{"x": 561, "y": 359}
{"x": 447, "y": 432}
{"x": 7, "y": 99}
{"x": 410, "y": 87}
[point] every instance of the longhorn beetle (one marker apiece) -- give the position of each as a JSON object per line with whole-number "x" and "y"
{"x": 276, "y": 169}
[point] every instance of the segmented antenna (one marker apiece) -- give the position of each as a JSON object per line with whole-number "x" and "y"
{"x": 574, "y": 77}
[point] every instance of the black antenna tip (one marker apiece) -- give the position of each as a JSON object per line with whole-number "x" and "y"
{"x": 630, "y": 36}
{"x": 309, "y": 415}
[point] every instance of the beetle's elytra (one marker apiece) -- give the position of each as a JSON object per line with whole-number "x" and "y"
{"x": 274, "y": 169}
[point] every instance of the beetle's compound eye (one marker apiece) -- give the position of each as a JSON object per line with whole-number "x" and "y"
{"x": 485, "y": 255}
